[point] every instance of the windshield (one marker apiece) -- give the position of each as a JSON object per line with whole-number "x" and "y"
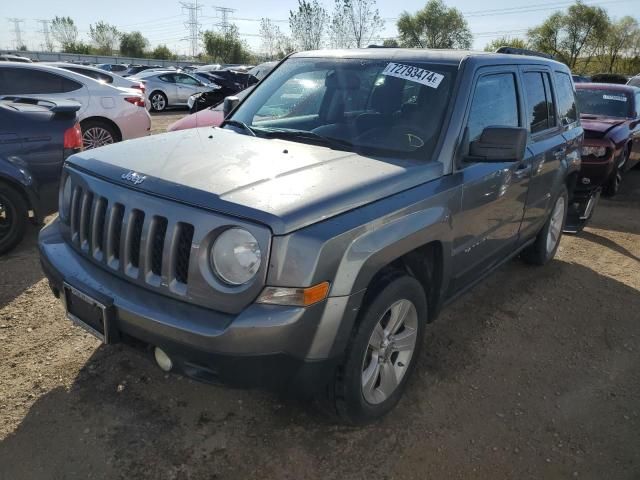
{"x": 608, "y": 103}
{"x": 370, "y": 106}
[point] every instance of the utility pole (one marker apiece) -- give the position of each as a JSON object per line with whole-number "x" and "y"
{"x": 17, "y": 31}
{"x": 223, "y": 13}
{"x": 48, "y": 45}
{"x": 193, "y": 25}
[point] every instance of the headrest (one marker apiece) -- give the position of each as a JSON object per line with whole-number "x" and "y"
{"x": 342, "y": 80}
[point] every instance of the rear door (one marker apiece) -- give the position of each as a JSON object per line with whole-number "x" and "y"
{"x": 187, "y": 86}
{"x": 546, "y": 147}
{"x": 494, "y": 193}
{"x": 167, "y": 82}
{"x": 29, "y": 82}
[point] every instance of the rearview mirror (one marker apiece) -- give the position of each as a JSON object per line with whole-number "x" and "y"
{"x": 229, "y": 104}
{"x": 499, "y": 144}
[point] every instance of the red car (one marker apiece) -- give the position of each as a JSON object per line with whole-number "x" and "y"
{"x": 610, "y": 116}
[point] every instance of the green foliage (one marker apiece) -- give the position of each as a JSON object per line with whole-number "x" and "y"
{"x": 568, "y": 36}
{"x": 308, "y": 24}
{"x": 226, "y": 47}
{"x": 105, "y": 37}
{"x": 505, "y": 42}
{"x": 390, "y": 43}
{"x": 22, "y": 48}
{"x": 81, "y": 48}
{"x": 435, "y": 26}
{"x": 65, "y": 32}
{"x": 162, "y": 52}
{"x": 133, "y": 44}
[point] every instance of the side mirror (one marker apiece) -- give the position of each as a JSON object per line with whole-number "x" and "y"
{"x": 499, "y": 144}
{"x": 229, "y": 104}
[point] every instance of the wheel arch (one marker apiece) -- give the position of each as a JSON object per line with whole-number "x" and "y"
{"x": 106, "y": 120}
{"x": 28, "y": 194}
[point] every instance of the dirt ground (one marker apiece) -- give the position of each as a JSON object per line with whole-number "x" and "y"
{"x": 533, "y": 374}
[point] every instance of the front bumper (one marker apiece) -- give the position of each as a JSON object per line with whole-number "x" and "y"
{"x": 267, "y": 346}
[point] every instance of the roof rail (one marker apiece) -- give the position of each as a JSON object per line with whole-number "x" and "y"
{"x": 523, "y": 51}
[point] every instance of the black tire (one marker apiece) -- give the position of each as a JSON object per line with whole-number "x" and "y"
{"x": 98, "y": 133}
{"x": 538, "y": 253}
{"x": 612, "y": 186}
{"x": 159, "y": 107}
{"x": 344, "y": 397}
{"x": 13, "y": 217}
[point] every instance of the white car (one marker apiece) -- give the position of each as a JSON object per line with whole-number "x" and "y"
{"x": 108, "y": 114}
{"x": 98, "y": 74}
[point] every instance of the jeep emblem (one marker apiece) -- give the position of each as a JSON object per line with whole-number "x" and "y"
{"x": 133, "y": 177}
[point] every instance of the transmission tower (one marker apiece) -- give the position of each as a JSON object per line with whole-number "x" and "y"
{"x": 17, "y": 31}
{"x": 223, "y": 14}
{"x": 193, "y": 24}
{"x": 47, "y": 45}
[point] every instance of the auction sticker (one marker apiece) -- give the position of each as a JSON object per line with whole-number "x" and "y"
{"x": 414, "y": 74}
{"x": 617, "y": 98}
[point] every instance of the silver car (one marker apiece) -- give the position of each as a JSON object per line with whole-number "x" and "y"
{"x": 170, "y": 89}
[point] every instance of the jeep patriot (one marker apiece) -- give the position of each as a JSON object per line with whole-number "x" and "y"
{"x": 306, "y": 244}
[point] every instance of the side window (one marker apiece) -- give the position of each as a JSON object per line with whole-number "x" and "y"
{"x": 566, "y": 99}
{"x": 538, "y": 105}
{"x": 186, "y": 80}
{"x": 551, "y": 104}
{"x": 638, "y": 105}
{"x": 101, "y": 77}
{"x": 18, "y": 81}
{"x": 301, "y": 94}
{"x": 169, "y": 78}
{"x": 495, "y": 103}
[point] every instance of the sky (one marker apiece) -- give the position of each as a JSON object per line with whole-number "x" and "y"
{"x": 163, "y": 21}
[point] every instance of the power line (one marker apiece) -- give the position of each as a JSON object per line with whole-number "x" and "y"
{"x": 193, "y": 9}
{"x": 223, "y": 24}
{"x": 17, "y": 31}
{"x": 48, "y": 44}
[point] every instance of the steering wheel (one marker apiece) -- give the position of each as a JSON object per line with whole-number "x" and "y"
{"x": 401, "y": 137}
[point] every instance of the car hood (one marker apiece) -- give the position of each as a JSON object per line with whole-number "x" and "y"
{"x": 204, "y": 118}
{"x": 285, "y": 185}
{"x": 598, "y": 127}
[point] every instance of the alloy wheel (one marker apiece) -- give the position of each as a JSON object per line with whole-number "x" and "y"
{"x": 555, "y": 225}
{"x": 95, "y": 137}
{"x": 389, "y": 351}
{"x": 158, "y": 103}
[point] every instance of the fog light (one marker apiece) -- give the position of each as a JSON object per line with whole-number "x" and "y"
{"x": 162, "y": 359}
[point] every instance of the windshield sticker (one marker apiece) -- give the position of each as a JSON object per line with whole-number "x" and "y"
{"x": 414, "y": 74}
{"x": 615, "y": 97}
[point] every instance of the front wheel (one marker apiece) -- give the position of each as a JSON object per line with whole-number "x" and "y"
{"x": 382, "y": 353}
{"x": 546, "y": 244}
{"x": 158, "y": 101}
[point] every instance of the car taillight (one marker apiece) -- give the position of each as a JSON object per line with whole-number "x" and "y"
{"x": 73, "y": 138}
{"x": 137, "y": 101}
{"x": 140, "y": 87}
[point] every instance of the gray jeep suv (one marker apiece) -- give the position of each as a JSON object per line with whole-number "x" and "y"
{"x": 306, "y": 243}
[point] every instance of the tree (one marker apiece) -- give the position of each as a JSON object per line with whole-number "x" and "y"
{"x": 105, "y": 37}
{"x": 364, "y": 19}
{"x": 505, "y": 42}
{"x": 270, "y": 35}
{"x": 226, "y": 47}
{"x": 390, "y": 43}
{"x": 308, "y": 24}
{"x": 339, "y": 28}
{"x": 133, "y": 44}
{"x": 435, "y": 26}
{"x": 162, "y": 52}
{"x": 22, "y": 48}
{"x": 572, "y": 35}
{"x": 619, "y": 40}
{"x": 65, "y": 32}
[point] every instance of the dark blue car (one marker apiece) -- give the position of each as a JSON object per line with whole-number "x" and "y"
{"x": 36, "y": 136}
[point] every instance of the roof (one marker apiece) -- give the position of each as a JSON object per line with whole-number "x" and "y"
{"x": 435, "y": 55}
{"x": 612, "y": 87}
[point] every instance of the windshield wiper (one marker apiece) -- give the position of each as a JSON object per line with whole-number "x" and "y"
{"x": 293, "y": 134}
{"x": 242, "y": 125}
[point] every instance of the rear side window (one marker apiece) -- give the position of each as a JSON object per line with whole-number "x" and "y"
{"x": 19, "y": 81}
{"x": 495, "y": 103}
{"x": 170, "y": 78}
{"x": 566, "y": 99}
{"x": 540, "y": 108}
{"x": 101, "y": 77}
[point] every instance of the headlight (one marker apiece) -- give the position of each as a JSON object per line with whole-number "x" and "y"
{"x": 594, "y": 151}
{"x": 235, "y": 256}
{"x": 64, "y": 200}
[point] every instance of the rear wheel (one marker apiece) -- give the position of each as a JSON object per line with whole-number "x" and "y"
{"x": 13, "y": 217}
{"x": 546, "y": 244}
{"x": 382, "y": 353}
{"x": 96, "y": 133}
{"x": 158, "y": 101}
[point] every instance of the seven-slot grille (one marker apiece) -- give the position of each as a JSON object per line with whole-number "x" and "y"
{"x": 130, "y": 241}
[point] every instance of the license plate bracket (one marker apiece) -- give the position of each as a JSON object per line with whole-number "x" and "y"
{"x": 88, "y": 313}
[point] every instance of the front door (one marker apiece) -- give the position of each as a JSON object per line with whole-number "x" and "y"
{"x": 494, "y": 193}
